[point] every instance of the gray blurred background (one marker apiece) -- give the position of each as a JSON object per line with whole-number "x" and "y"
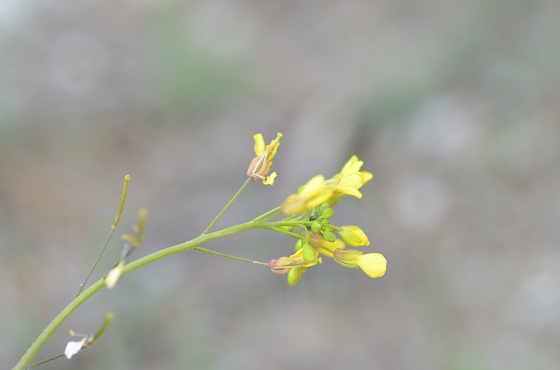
{"x": 453, "y": 105}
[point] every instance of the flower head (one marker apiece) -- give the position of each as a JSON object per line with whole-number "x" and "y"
{"x": 310, "y": 195}
{"x": 260, "y": 165}
{"x": 373, "y": 264}
{"x": 349, "y": 180}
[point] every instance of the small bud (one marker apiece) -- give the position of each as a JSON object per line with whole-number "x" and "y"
{"x": 327, "y": 213}
{"x": 295, "y": 275}
{"x": 316, "y": 227}
{"x": 328, "y": 235}
{"x": 298, "y": 245}
{"x": 308, "y": 253}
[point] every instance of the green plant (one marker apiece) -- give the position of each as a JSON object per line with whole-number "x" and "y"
{"x": 305, "y": 216}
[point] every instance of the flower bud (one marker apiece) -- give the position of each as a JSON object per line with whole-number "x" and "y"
{"x": 328, "y": 235}
{"x": 327, "y": 213}
{"x": 295, "y": 275}
{"x": 353, "y": 236}
{"x": 316, "y": 227}
{"x": 308, "y": 253}
{"x": 298, "y": 245}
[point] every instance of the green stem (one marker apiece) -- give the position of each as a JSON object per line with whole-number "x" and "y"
{"x": 289, "y": 233}
{"x": 100, "y": 284}
{"x": 219, "y": 254}
{"x": 228, "y": 205}
{"x": 111, "y": 232}
{"x": 268, "y": 215}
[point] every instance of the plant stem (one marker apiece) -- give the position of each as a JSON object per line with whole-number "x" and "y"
{"x": 270, "y": 214}
{"x": 219, "y": 254}
{"x": 228, "y": 205}
{"x": 100, "y": 284}
{"x": 111, "y": 232}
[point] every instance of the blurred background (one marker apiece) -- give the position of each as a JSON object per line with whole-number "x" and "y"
{"x": 452, "y": 105}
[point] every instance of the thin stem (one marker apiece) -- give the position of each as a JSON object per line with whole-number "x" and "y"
{"x": 110, "y": 235}
{"x": 219, "y": 254}
{"x": 289, "y": 233}
{"x": 228, "y": 205}
{"x": 44, "y": 361}
{"x": 268, "y": 215}
{"x": 276, "y": 224}
{"x": 100, "y": 284}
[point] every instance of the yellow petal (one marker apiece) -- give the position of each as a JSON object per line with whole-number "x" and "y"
{"x": 353, "y": 165}
{"x": 259, "y": 144}
{"x": 270, "y": 179}
{"x": 373, "y": 264}
{"x": 366, "y": 176}
{"x": 312, "y": 194}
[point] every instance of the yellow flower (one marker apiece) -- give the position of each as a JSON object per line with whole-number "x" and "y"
{"x": 260, "y": 165}
{"x": 349, "y": 180}
{"x": 284, "y": 264}
{"x": 353, "y": 236}
{"x": 311, "y": 195}
{"x": 373, "y": 264}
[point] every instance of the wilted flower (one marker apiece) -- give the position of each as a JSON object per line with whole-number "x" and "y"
{"x": 260, "y": 165}
{"x": 284, "y": 264}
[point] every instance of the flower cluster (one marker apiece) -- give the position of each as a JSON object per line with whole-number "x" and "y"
{"x": 309, "y": 212}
